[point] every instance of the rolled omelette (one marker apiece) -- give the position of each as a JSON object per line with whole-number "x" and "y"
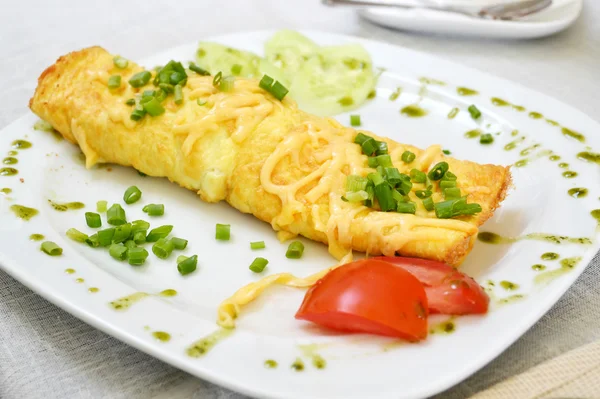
{"x": 261, "y": 155}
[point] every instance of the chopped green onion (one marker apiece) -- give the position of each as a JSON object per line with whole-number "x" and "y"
{"x": 407, "y": 207}
{"x": 158, "y": 233}
{"x": 187, "y": 265}
{"x": 447, "y": 184}
{"x": 438, "y": 171}
{"x": 443, "y": 210}
{"x": 356, "y": 196}
{"x": 369, "y": 147}
{"x": 356, "y": 183}
{"x": 138, "y": 114}
{"x": 405, "y": 185}
{"x": 266, "y": 83}
{"x": 428, "y": 203}
{"x": 384, "y": 161}
{"x": 137, "y": 256}
{"x": 227, "y": 83}
{"x": 76, "y": 235}
{"x": 120, "y": 62}
{"x": 451, "y": 193}
{"x": 93, "y": 241}
{"x": 449, "y": 176}
{"x": 447, "y": 152}
{"x": 455, "y": 207}
{"x": 393, "y": 176}
{"x": 279, "y": 91}
{"x": 153, "y": 107}
{"x": 417, "y": 176}
{"x": 181, "y": 258}
{"x": 105, "y": 236}
{"x": 200, "y": 102}
{"x": 163, "y": 248}
{"x": 178, "y": 78}
{"x": 132, "y": 195}
{"x": 122, "y": 233}
{"x": 130, "y": 102}
{"x": 147, "y": 95}
{"x": 178, "y": 95}
{"x": 422, "y": 194}
{"x": 257, "y": 245}
{"x": 114, "y": 82}
{"x": 375, "y": 178}
{"x": 470, "y": 209}
{"x": 361, "y": 138}
{"x": 130, "y": 244}
{"x": 198, "y": 70}
{"x": 217, "y": 79}
{"x": 118, "y": 251}
{"x": 223, "y": 232}
{"x": 166, "y": 87}
{"x": 475, "y": 113}
{"x": 382, "y": 148}
{"x": 139, "y": 237}
{"x": 50, "y": 248}
{"x": 139, "y": 225}
{"x": 371, "y": 194}
{"x": 486, "y": 138}
{"x": 116, "y": 215}
{"x": 101, "y": 206}
{"x": 408, "y": 157}
{"x": 295, "y": 250}
{"x": 236, "y": 69}
{"x": 258, "y": 265}
{"x": 354, "y": 120}
{"x": 179, "y": 243}
{"x": 154, "y": 209}
{"x": 372, "y": 162}
{"x": 140, "y": 79}
{"x": 93, "y": 219}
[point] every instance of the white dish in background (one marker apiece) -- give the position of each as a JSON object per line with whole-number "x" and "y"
{"x": 357, "y": 366}
{"x": 560, "y": 15}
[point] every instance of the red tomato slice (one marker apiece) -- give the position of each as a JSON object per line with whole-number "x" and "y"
{"x": 448, "y": 290}
{"x": 368, "y": 296}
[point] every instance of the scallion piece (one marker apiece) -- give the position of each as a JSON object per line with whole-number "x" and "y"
{"x": 295, "y": 250}
{"x": 375, "y": 178}
{"x": 153, "y": 107}
{"x": 384, "y": 161}
{"x": 438, "y": 171}
{"x": 405, "y": 185}
{"x": 236, "y": 69}
{"x": 356, "y": 183}
{"x": 223, "y": 232}
{"x": 130, "y": 102}
{"x": 406, "y": 207}
{"x": 120, "y": 62}
{"x": 361, "y": 138}
{"x": 116, "y": 215}
{"x": 118, "y": 251}
{"x": 178, "y": 95}
{"x": 428, "y": 203}
{"x": 217, "y": 80}
{"x": 50, "y": 248}
{"x": 449, "y": 176}
{"x": 198, "y": 70}
{"x": 181, "y": 258}
{"x": 486, "y": 138}
{"x": 93, "y": 219}
{"x": 451, "y": 193}
{"x": 139, "y": 237}
{"x": 393, "y": 176}
{"x": 372, "y": 162}
{"x": 447, "y": 184}
{"x": 200, "y": 102}
{"x": 137, "y": 114}
{"x": 382, "y": 148}
{"x": 163, "y": 248}
{"x": 179, "y": 243}
{"x": 93, "y": 241}
{"x": 114, "y": 82}
{"x": 258, "y": 265}
{"x": 227, "y": 83}
{"x": 417, "y": 176}
{"x": 137, "y": 256}
{"x": 443, "y": 210}
{"x": 369, "y": 147}
{"x": 139, "y": 225}
{"x": 158, "y": 233}
{"x": 266, "y": 83}
{"x": 101, "y": 206}
{"x": 371, "y": 194}
{"x": 408, "y": 157}
{"x": 76, "y": 235}
{"x": 356, "y": 196}
{"x": 122, "y": 233}
{"x": 132, "y": 195}
{"x": 422, "y": 194}
{"x": 278, "y": 91}
{"x": 187, "y": 265}
{"x": 474, "y": 111}
{"x": 257, "y": 245}
{"x": 130, "y": 244}
{"x": 166, "y": 87}
{"x": 140, "y": 79}
{"x": 354, "y": 120}
{"x": 154, "y": 209}
{"x": 105, "y": 236}
{"x": 446, "y": 152}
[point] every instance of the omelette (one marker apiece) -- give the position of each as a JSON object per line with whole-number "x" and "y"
{"x": 262, "y": 155}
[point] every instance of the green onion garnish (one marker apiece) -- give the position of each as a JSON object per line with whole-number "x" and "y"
{"x": 139, "y": 225}
{"x": 266, "y": 83}
{"x": 137, "y": 256}
{"x": 179, "y": 243}
{"x": 451, "y": 193}
{"x": 428, "y": 203}
{"x": 153, "y": 107}
{"x": 372, "y": 162}
{"x": 118, "y": 251}
{"x": 158, "y": 233}
{"x": 217, "y": 79}
{"x": 93, "y": 241}
{"x": 50, "y": 248}
{"x": 406, "y": 207}
{"x": 132, "y": 195}
{"x": 138, "y": 114}
{"x": 122, "y": 233}
{"x": 258, "y": 265}
{"x": 200, "y": 102}
{"x": 120, "y": 62}
{"x": 181, "y": 258}
{"x": 356, "y": 183}
{"x": 116, "y": 215}
{"x": 447, "y": 152}
{"x": 417, "y": 176}
{"x": 361, "y": 138}
{"x": 438, "y": 171}
{"x": 455, "y": 207}
{"x": 295, "y": 250}
{"x": 405, "y": 185}
{"x": 355, "y": 120}
{"x": 130, "y": 244}
{"x": 198, "y": 70}
{"x": 384, "y": 161}
{"x": 76, "y": 235}
{"x": 278, "y": 90}
{"x": 236, "y": 69}
{"x": 369, "y": 147}
{"x": 382, "y": 148}
{"x": 475, "y": 113}
{"x": 140, "y": 79}
{"x": 227, "y": 83}
{"x": 422, "y": 194}
{"x": 114, "y": 82}
{"x": 188, "y": 265}
{"x": 163, "y": 248}
{"x": 139, "y": 237}
{"x": 449, "y": 176}
{"x": 93, "y": 219}
{"x": 154, "y": 209}
{"x": 486, "y": 138}
{"x": 130, "y": 102}
{"x": 257, "y": 245}
{"x": 105, "y": 236}
{"x": 178, "y": 95}
{"x": 223, "y": 232}
{"x": 408, "y": 157}
{"x": 356, "y": 196}
{"x": 447, "y": 184}
{"x": 166, "y": 87}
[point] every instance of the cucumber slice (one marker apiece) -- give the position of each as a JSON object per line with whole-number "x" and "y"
{"x": 216, "y": 58}
{"x": 334, "y": 80}
{"x": 288, "y": 50}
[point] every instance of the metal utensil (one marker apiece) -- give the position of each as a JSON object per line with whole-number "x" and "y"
{"x": 506, "y": 11}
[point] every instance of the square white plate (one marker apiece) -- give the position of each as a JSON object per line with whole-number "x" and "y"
{"x": 357, "y": 366}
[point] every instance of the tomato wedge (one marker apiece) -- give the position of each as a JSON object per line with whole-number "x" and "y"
{"x": 448, "y": 290}
{"x": 368, "y": 296}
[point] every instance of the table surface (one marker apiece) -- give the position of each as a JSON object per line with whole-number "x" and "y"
{"x": 47, "y": 353}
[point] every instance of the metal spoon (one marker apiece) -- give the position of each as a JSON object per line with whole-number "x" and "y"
{"x": 507, "y": 11}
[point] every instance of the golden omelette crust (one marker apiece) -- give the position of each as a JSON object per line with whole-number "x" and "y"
{"x": 73, "y": 97}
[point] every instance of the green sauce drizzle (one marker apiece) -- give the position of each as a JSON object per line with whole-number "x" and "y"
{"x": 535, "y": 115}
{"x": 500, "y": 102}
{"x": 79, "y": 280}
{"x": 509, "y": 286}
{"x": 311, "y": 352}
{"x": 21, "y": 144}
{"x": 552, "y": 122}
{"x": 550, "y": 256}
{"x": 578, "y": 192}
{"x": 471, "y": 134}
{"x": 569, "y": 174}
{"x": 464, "y": 91}
{"x": 23, "y": 212}
{"x": 589, "y": 157}
{"x": 66, "y": 206}
{"x": 298, "y": 365}
{"x": 6, "y": 191}
{"x": 413, "y": 111}
{"x": 518, "y": 108}
{"x": 554, "y": 158}
{"x": 168, "y": 292}
{"x": 493, "y": 238}
{"x": 125, "y": 302}
{"x": 431, "y": 81}
{"x": 566, "y": 265}
{"x": 69, "y": 271}
{"x": 271, "y": 364}
{"x": 522, "y": 162}
{"x": 511, "y": 299}
{"x": 10, "y": 161}
{"x": 563, "y": 165}
{"x": 453, "y": 112}
{"x": 12, "y": 153}
{"x": 162, "y": 336}
{"x": 36, "y": 237}
{"x": 596, "y": 215}
{"x": 8, "y": 172}
{"x": 201, "y": 347}
{"x": 528, "y": 150}
{"x": 538, "y": 267}
{"x": 444, "y": 327}
{"x": 573, "y": 134}
{"x": 513, "y": 144}
{"x": 93, "y": 290}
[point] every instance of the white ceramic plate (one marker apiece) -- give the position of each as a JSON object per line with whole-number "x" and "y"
{"x": 357, "y": 366}
{"x": 560, "y": 15}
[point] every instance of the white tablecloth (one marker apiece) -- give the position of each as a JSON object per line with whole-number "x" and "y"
{"x": 47, "y": 353}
